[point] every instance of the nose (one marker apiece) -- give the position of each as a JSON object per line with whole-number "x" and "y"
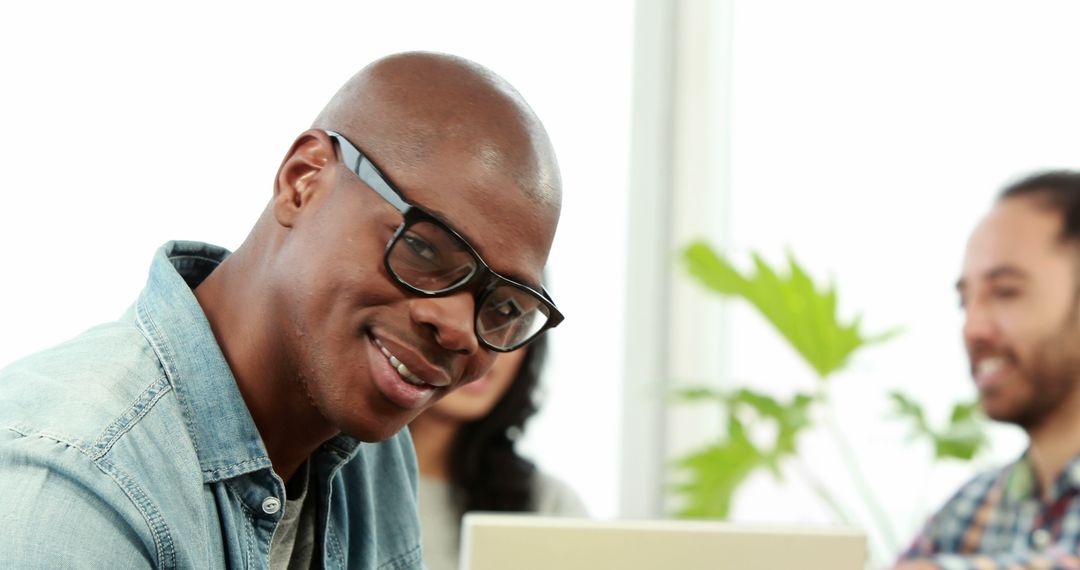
{"x": 979, "y": 326}
{"x": 451, "y": 317}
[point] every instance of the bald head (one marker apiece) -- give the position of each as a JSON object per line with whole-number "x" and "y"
{"x": 404, "y": 108}
{"x": 333, "y": 273}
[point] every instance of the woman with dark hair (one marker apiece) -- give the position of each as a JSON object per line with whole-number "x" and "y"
{"x": 465, "y": 449}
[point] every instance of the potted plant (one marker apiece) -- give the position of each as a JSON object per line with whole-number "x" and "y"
{"x": 805, "y": 315}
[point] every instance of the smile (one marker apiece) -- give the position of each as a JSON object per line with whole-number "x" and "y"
{"x": 402, "y": 370}
{"x": 989, "y": 366}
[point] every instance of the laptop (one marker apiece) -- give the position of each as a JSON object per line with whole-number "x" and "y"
{"x": 528, "y": 542}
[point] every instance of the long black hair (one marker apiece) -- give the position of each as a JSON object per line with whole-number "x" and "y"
{"x": 486, "y": 472}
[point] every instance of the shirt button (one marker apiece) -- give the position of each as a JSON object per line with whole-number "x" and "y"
{"x": 1041, "y": 538}
{"x": 271, "y": 505}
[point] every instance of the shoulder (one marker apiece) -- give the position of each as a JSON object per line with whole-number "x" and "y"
{"x": 434, "y": 494}
{"x": 948, "y": 524}
{"x": 439, "y": 524}
{"x": 74, "y": 391}
{"x": 58, "y": 502}
{"x": 437, "y": 512}
{"x": 945, "y": 531}
{"x": 552, "y": 496}
{"x": 93, "y": 453}
{"x": 971, "y": 494}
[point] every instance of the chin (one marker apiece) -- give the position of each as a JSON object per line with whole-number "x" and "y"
{"x": 374, "y": 434}
{"x": 370, "y": 430}
{"x": 994, "y": 410}
{"x": 1008, "y": 415}
{"x": 460, "y": 413}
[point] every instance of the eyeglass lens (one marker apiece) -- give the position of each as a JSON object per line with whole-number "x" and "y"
{"x": 428, "y": 258}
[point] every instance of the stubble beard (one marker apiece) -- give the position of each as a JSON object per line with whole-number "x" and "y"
{"x": 1053, "y": 377}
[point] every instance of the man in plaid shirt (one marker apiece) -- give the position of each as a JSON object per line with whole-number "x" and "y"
{"x": 1020, "y": 289}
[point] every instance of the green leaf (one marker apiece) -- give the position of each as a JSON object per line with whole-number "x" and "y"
{"x": 696, "y": 394}
{"x": 958, "y": 447}
{"x": 714, "y": 473}
{"x": 966, "y": 434}
{"x": 905, "y": 407}
{"x": 796, "y": 419}
{"x": 712, "y": 271}
{"x": 965, "y": 412}
{"x": 748, "y": 410}
{"x": 762, "y": 403}
{"x": 962, "y": 438}
{"x": 803, "y": 313}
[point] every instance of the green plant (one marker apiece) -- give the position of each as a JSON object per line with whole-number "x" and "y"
{"x": 806, "y": 316}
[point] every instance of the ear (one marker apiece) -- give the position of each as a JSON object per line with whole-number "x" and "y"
{"x": 302, "y": 175}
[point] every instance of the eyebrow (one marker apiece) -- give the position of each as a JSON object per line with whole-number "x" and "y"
{"x": 996, "y": 272}
{"x": 439, "y": 215}
{"x": 533, "y": 283}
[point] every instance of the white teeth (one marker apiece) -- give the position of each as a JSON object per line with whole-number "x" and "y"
{"x": 989, "y": 365}
{"x": 402, "y": 370}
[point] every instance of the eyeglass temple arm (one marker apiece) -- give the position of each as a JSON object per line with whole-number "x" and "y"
{"x": 358, "y": 163}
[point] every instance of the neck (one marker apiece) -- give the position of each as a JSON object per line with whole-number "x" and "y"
{"x": 240, "y": 314}
{"x": 1055, "y": 442}
{"x": 433, "y": 437}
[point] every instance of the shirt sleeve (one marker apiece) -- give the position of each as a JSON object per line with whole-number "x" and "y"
{"x": 58, "y": 509}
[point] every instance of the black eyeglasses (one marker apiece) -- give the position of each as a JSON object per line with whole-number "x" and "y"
{"x": 428, "y": 258}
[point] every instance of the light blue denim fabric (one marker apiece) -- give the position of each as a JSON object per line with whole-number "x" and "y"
{"x": 131, "y": 447}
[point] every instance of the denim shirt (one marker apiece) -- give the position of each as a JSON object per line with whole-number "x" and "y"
{"x": 130, "y": 446}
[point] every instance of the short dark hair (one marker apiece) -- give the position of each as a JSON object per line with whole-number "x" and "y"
{"x": 1057, "y": 190}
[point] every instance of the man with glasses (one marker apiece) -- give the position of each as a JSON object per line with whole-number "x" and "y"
{"x": 219, "y": 423}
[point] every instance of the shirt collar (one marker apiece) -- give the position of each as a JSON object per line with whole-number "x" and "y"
{"x": 1022, "y": 483}
{"x": 217, "y": 419}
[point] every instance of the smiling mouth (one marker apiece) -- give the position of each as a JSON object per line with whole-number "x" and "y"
{"x": 989, "y": 366}
{"x": 402, "y": 370}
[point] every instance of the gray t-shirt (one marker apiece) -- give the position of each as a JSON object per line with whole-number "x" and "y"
{"x": 439, "y": 522}
{"x": 293, "y": 545}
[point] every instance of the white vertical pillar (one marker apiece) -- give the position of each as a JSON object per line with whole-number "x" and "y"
{"x": 644, "y": 417}
{"x": 679, "y": 163}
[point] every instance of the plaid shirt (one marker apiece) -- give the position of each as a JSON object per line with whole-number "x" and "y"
{"x": 999, "y": 521}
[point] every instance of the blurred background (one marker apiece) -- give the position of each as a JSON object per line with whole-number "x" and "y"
{"x": 865, "y": 138}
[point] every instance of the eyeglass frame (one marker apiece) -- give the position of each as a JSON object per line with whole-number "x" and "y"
{"x": 355, "y": 160}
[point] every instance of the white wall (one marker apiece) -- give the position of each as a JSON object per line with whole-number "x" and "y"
{"x": 127, "y": 124}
